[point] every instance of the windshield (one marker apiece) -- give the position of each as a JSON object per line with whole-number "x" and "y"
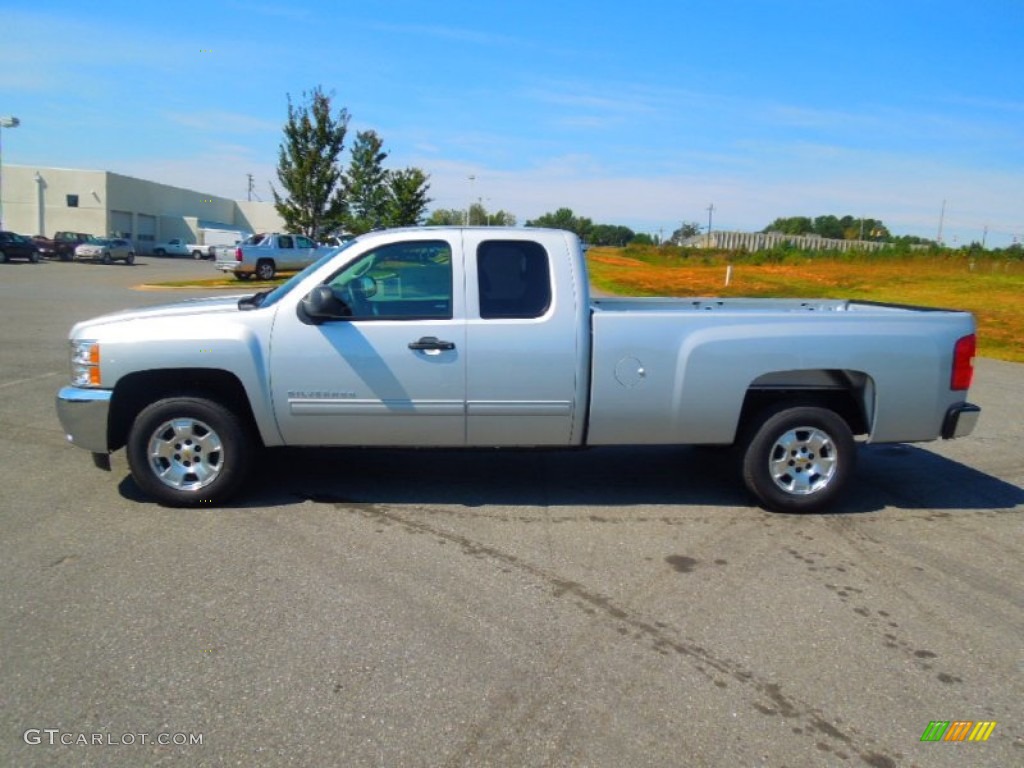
{"x": 284, "y": 288}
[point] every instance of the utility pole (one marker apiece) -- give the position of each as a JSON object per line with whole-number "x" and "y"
{"x": 249, "y": 194}
{"x": 711, "y": 210}
{"x": 942, "y": 217}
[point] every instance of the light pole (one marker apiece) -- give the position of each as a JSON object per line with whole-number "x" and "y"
{"x": 5, "y": 122}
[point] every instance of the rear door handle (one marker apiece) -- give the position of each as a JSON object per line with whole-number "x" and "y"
{"x": 432, "y": 343}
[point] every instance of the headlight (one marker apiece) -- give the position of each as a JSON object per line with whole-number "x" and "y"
{"x": 85, "y": 363}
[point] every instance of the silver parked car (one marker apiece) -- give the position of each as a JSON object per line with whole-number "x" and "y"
{"x": 106, "y": 250}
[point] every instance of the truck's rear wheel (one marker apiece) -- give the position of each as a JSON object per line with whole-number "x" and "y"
{"x": 265, "y": 270}
{"x": 798, "y": 458}
{"x": 185, "y": 451}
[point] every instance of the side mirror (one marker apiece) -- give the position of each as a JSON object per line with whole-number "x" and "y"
{"x": 321, "y": 304}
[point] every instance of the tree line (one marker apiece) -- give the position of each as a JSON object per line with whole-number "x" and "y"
{"x": 319, "y": 197}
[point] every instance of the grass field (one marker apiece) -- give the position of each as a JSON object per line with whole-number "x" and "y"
{"x": 991, "y": 288}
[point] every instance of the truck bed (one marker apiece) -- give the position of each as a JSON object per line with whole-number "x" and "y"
{"x": 710, "y": 304}
{"x": 671, "y": 370}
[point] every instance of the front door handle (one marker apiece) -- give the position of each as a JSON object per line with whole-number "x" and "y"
{"x": 432, "y": 343}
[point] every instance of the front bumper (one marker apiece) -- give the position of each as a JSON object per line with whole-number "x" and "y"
{"x": 83, "y": 414}
{"x": 960, "y": 420}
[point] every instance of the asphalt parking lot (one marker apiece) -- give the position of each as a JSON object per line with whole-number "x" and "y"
{"x": 615, "y": 607}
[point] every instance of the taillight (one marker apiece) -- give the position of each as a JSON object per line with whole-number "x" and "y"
{"x": 963, "y": 362}
{"x": 238, "y": 254}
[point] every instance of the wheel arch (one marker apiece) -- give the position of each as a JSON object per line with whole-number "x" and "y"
{"x": 137, "y": 390}
{"x": 850, "y": 394}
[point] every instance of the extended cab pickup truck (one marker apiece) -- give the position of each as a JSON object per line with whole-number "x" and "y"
{"x": 489, "y": 337}
{"x": 263, "y": 256}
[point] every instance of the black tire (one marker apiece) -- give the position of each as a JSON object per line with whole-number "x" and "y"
{"x": 798, "y": 458}
{"x": 106, "y": 258}
{"x": 3, "y": 258}
{"x": 159, "y": 252}
{"x": 34, "y": 257}
{"x": 185, "y": 451}
{"x": 129, "y": 259}
{"x": 265, "y": 270}
{"x": 67, "y": 256}
{"x": 198, "y": 255}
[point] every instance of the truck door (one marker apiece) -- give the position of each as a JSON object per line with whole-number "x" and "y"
{"x": 523, "y": 361}
{"x": 392, "y": 372}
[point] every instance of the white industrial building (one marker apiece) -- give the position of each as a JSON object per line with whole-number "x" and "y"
{"x": 42, "y": 201}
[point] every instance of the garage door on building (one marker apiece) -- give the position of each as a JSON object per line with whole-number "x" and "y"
{"x": 146, "y": 235}
{"x": 121, "y": 224}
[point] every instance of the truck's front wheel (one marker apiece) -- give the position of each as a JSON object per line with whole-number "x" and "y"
{"x": 185, "y": 451}
{"x": 798, "y": 458}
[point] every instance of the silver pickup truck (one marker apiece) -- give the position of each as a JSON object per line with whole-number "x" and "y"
{"x": 489, "y": 337}
{"x": 262, "y": 256}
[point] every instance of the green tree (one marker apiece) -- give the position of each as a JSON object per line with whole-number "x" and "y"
{"x": 687, "y": 230}
{"x": 501, "y": 219}
{"x": 446, "y": 217}
{"x": 564, "y": 218}
{"x": 365, "y": 185}
{"x": 307, "y": 166}
{"x": 828, "y": 226}
{"x": 408, "y": 197}
{"x": 794, "y": 225}
{"x": 610, "y": 234}
{"x": 477, "y": 216}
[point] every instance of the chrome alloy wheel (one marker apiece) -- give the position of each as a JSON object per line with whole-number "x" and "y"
{"x": 185, "y": 454}
{"x": 803, "y": 461}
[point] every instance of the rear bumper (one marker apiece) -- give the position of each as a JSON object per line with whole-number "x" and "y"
{"x": 83, "y": 415}
{"x": 960, "y": 420}
{"x": 236, "y": 267}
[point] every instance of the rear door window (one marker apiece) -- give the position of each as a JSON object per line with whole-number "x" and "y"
{"x": 514, "y": 279}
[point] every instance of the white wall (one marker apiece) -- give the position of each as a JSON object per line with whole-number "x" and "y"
{"x": 22, "y": 196}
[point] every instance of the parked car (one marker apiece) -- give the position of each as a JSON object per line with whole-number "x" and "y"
{"x": 106, "y": 250}
{"x": 63, "y": 244}
{"x": 15, "y": 246}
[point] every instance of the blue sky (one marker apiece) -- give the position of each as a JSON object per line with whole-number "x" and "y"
{"x": 640, "y": 114}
